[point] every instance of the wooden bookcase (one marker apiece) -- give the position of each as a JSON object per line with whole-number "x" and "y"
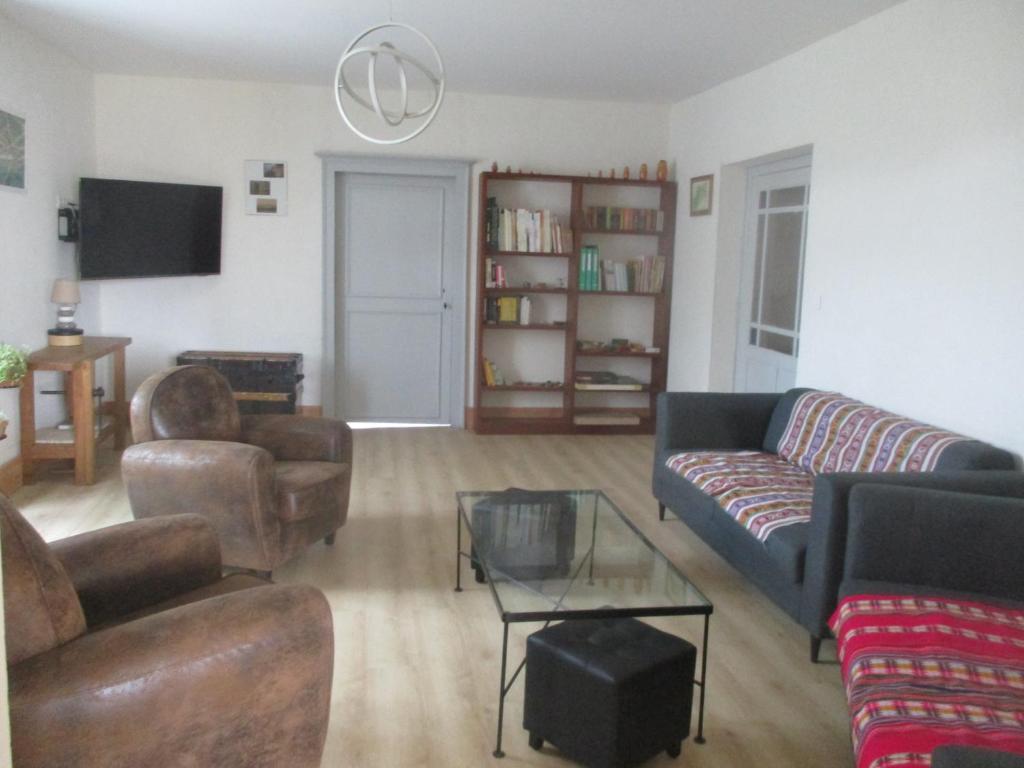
{"x": 551, "y": 403}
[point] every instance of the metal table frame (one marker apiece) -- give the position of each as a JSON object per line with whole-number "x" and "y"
{"x": 556, "y": 614}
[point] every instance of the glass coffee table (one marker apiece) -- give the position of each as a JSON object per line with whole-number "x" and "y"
{"x": 564, "y": 555}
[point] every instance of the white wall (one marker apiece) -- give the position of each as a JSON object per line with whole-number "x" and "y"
{"x": 915, "y": 250}
{"x": 54, "y": 95}
{"x": 268, "y": 296}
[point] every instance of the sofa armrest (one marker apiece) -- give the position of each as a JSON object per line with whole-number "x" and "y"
{"x": 950, "y": 541}
{"x": 298, "y": 438}
{"x": 827, "y": 532}
{"x": 712, "y": 421}
{"x": 240, "y": 679}
{"x": 230, "y": 484}
{"x": 122, "y": 568}
{"x": 955, "y": 756}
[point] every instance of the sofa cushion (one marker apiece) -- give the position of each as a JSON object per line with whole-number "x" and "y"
{"x": 758, "y": 490}
{"x": 828, "y": 432}
{"x": 304, "y": 488}
{"x": 921, "y": 672}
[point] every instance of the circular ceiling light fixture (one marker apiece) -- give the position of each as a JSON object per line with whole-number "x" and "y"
{"x": 393, "y": 117}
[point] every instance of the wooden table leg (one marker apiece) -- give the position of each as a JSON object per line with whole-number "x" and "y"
{"x": 120, "y": 405}
{"x": 84, "y": 420}
{"x": 27, "y": 408}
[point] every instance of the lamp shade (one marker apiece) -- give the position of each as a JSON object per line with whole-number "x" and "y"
{"x": 65, "y": 292}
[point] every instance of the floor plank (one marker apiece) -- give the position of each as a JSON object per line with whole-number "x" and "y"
{"x": 416, "y": 665}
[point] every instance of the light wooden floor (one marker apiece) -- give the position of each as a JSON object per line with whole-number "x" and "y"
{"x": 416, "y": 665}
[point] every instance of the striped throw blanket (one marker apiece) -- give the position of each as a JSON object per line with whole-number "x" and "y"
{"x": 923, "y": 672}
{"x": 828, "y": 432}
{"x": 759, "y": 490}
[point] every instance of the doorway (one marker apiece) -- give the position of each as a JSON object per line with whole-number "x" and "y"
{"x": 771, "y": 284}
{"x": 395, "y": 284}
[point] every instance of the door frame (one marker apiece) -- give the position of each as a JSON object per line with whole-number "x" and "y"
{"x": 454, "y": 168}
{"x": 795, "y": 163}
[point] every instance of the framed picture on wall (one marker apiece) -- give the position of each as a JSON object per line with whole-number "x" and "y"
{"x": 701, "y": 189}
{"x": 266, "y": 187}
{"x": 12, "y": 151}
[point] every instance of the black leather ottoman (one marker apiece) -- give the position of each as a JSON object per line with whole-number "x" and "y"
{"x": 608, "y": 693}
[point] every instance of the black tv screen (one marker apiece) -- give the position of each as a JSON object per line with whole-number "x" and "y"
{"x": 146, "y": 229}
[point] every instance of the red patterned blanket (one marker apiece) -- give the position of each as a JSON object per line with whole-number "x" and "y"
{"x": 922, "y": 672}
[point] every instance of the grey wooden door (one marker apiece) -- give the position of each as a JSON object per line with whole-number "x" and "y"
{"x": 397, "y": 252}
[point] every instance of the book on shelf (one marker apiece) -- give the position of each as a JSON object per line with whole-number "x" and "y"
{"x": 525, "y": 307}
{"x": 488, "y": 373}
{"x": 644, "y": 275}
{"x": 508, "y": 309}
{"x": 605, "y": 418}
{"x": 607, "y": 381}
{"x": 525, "y": 231}
{"x": 618, "y": 219}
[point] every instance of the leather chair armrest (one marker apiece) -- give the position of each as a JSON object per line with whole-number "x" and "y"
{"x": 240, "y": 679}
{"x": 299, "y": 438}
{"x": 229, "y": 484}
{"x": 123, "y": 568}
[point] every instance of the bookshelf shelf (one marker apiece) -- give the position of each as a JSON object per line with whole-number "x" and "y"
{"x": 571, "y": 201}
{"x": 516, "y": 291}
{"x": 612, "y": 388}
{"x": 527, "y": 327}
{"x": 524, "y": 387}
{"x": 620, "y": 293}
{"x": 531, "y": 254}
{"x": 607, "y": 353}
{"x": 603, "y": 231}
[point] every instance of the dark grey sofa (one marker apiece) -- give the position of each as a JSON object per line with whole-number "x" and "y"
{"x": 799, "y": 566}
{"x": 914, "y": 541}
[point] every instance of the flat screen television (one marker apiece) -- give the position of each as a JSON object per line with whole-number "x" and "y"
{"x": 147, "y": 229}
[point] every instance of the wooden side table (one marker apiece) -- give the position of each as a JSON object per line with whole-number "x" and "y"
{"x": 79, "y": 366}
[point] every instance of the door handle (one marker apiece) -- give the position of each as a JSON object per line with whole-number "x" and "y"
{"x": 446, "y": 305}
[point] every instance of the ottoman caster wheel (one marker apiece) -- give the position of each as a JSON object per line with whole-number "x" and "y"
{"x": 536, "y": 742}
{"x": 674, "y": 750}
{"x": 479, "y": 576}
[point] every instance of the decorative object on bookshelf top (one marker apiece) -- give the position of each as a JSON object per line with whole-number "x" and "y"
{"x": 625, "y": 172}
{"x": 643, "y": 172}
{"x": 662, "y": 172}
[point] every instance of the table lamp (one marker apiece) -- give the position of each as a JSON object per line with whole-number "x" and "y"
{"x": 66, "y": 297}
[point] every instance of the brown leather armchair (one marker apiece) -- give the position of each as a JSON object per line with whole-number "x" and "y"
{"x": 271, "y": 485}
{"x": 125, "y": 647}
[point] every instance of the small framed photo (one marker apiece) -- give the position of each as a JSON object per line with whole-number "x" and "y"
{"x": 266, "y": 187}
{"x": 701, "y": 189}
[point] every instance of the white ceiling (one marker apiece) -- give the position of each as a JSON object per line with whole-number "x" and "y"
{"x": 623, "y": 50}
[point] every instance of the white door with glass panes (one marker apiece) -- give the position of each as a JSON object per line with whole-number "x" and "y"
{"x": 772, "y": 276}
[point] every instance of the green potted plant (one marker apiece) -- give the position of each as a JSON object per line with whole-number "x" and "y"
{"x": 13, "y": 365}
{"x": 3, "y": 425}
